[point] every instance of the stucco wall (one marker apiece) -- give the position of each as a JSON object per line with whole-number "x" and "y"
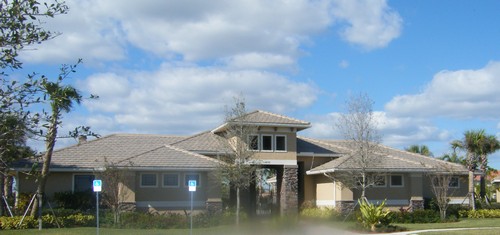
{"x": 57, "y": 182}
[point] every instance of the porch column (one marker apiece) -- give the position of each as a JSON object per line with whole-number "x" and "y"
{"x": 416, "y": 184}
{"x": 289, "y": 190}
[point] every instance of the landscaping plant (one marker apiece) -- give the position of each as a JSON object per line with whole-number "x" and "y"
{"x": 372, "y": 215}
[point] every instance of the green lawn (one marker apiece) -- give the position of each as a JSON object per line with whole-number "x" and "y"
{"x": 270, "y": 228}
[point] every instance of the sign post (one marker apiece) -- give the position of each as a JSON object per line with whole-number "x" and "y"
{"x": 192, "y": 188}
{"x": 97, "y": 185}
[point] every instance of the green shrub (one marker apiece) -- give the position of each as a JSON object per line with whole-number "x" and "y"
{"x": 75, "y": 200}
{"x": 483, "y": 213}
{"x": 319, "y": 213}
{"x": 416, "y": 216}
{"x": 372, "y": 216}
{"x": 48, "y": 221}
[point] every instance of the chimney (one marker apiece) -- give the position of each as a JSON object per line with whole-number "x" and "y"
{"x": 82, "y": 139}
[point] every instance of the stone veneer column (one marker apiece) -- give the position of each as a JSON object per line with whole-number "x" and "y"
{"x": 289, "y": 190}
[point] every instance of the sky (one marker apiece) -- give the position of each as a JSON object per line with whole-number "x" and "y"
{"x": 432, "y": 68}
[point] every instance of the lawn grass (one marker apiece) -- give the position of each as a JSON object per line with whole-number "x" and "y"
{"x": 464, "y": 223}
{"x": 264, "y": 228}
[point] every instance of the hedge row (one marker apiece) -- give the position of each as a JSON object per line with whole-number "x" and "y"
{"x": 483, "y": 213}
{"x": 49, "y": 221}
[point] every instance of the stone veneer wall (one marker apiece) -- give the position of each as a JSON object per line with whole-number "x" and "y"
{"x": 416, "y": 203}
{"x": 214, "y": 206}
{"x": 345, "y": 207}
{"x": 289, "y": 191}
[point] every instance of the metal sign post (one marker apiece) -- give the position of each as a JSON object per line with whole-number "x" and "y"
{"x": 97, "y": 188}
{"x": 192, "y": 188}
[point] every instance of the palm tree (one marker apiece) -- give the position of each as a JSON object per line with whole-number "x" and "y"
{"x": 488, "y": 145}
{"x": 420, "y": 149}
{"x": 453, "y": 157}
{"x": 471, "y": 144}
{"x": 61, "y": 99}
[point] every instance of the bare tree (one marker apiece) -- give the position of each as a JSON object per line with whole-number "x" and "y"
{"x": 239, "y": 166}
{"x": 443, "y": 180}
{"x": 114, "y": 193}
{"x": 359, "y": 128}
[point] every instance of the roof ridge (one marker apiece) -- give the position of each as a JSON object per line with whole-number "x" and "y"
{"x": 192, "y": 153}
{"x": 421, "y": 156}
{"x": 191, "y": 137}
{"x": 137, "y": 155}
{"x": 325, "y": 143}
{"x": 86, "y": 142}
{"x": 282, "y": 116}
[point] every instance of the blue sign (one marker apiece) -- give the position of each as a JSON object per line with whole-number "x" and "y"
{"x": 192, "y": 185}
{"x": 97, "y": 185}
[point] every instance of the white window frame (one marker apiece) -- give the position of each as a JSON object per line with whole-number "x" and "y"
{"x": 170, "y": 186}
{"x": 262, "y": 143}
{"x": 149, "y": 186}
{"x": 250, "y": 141}
{"x": 458, "y": 182}
{"x": 402, "y": 181}
{"x": 198, "y": 183}
{"x": 276, "y": 143}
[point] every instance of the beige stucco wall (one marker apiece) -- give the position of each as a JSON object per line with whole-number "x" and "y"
{"x": 290, "y": 154}
{"x": 57, "y": 182}
{"x": 310, "y": 180}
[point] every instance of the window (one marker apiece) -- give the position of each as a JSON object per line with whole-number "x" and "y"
{"x": 82, "y": 183}
{"x": 148, "y": 180}
{"x": 280, "y": 143}
{"x": 454, "y": 182}
{"x": 253, "y": 142}
{"x": 396, "y": 181}
{"x": 439, "y": 181}
{"x": 379, "y": 181}
{"x": 189, "y": 177}
{"x": 170, "y": 180}
{"x": 267, "y": 143}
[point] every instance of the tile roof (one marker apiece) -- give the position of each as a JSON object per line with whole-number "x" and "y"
{"x": 264, "y": 118}
{"x": 385, "y": 159}
{"x": 113, "y": 148}
{"x": 307, "y": 146}
{"x": 205, "y": 142}
{"x": 170, "y": 157}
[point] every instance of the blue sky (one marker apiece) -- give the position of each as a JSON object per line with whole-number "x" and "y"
{"x": 169, "y": 67}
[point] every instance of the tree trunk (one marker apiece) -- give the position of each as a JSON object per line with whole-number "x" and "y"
{"x": 472, "y": 201}
{"x": 442, "y": 213}
{"x": 50, "y": 142}
{"x": 2, "y": 204}
{"x": 237, "y": 206}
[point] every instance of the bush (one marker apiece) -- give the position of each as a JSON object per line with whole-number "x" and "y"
{"x": 417, "y": 216}
{"x": 75, "y": 200}
{"x": 483, "y": 213}
{"x": 373, "y": 216}
{"x": 319, "y": 213}
{"x": 48, "y": 221}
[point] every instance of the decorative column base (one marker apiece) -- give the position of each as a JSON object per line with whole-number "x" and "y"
{"x": 416, "y": 203}
{"x": 344, "y": 207}
{"x": 289, "y": 203}
{"x": 128, "y": 206}
{"x": 214, "y": 206}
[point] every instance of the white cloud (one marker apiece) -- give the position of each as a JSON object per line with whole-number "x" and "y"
{"x": 236, "y": 32}
{"x": 371, "y": 24}
{"x": 187, "y": 99}
{"x": 395, "y": 131}
{"x": 457, "y": 94}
